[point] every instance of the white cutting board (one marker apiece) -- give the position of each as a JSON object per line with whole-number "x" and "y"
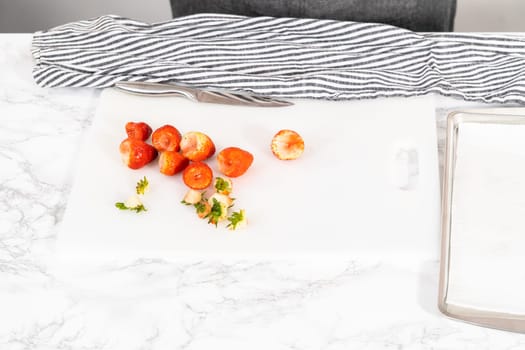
{"x": 345, "y": 196}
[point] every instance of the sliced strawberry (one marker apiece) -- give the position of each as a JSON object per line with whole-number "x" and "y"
{"x": 287, "y": 145}
{"x": 136, "y": 153}
{"x": 233, "y": 161}
{"x": 197, "y": 176}
{"x": 166, "y": 138}
{"x": 171, "y": 162}
{"x": 196, "y": 146}
{"x": 139, "y": 131}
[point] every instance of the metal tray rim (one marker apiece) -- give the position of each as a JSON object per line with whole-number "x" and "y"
{"x": 491, "y": 319}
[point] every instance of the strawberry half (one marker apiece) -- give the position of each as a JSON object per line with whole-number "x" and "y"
{"x": 166, "y": 138}
{"x": 136, "y": 153}
{"x": 233, "y": 161}
{"x": 287, "y": 145}
{"x": 139, "y": 131}
{"x": 171, "y": 162}
{"x": 196, "y": 146}
{"x": 197, "y": 176}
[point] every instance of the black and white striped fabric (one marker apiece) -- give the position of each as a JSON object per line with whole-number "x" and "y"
{"x": 283, "y": 57}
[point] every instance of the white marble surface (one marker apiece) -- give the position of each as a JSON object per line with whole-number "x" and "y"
{"x": 156, "y": 304}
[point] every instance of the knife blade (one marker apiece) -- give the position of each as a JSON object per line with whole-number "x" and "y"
{"x": 198, "y": 95}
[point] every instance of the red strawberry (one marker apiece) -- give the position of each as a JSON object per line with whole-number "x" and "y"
{"x": 171, "y": 162}
{"x": 139, "y": 131}
{"x": 166, "y": 138}
{"x": 136, "y": 153}
{"x": 196, "y": 146}
{"x": 233, "y": 161}
{"x": 287, "y": 145}
{"x": 197, "y": 176}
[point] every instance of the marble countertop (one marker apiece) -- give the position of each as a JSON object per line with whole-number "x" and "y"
{"x": 158, "y": 304}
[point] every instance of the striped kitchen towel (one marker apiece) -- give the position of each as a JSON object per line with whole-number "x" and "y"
{"x": 284, "y": 57}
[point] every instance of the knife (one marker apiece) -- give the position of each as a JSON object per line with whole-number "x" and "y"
{"x": 198, "y": 95}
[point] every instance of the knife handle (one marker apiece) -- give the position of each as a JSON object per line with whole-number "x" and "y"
{"x": 180, "y": 91}
{"x": 148, "y": 89}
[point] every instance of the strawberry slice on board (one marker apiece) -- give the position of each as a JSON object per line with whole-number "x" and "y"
{"x": 197, "y": 176}
{"x": 233, "y": 161}
{"x": 197, "y": 146}
{"x": 171, "y": 163}
{"x": 287, "y": 145}
{"x": 140, "y": 131}
{"x": 136, "y": 153}
{"x": 166, "y": 138}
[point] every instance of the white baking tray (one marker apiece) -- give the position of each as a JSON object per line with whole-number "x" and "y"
{"x": 482, "y": 279}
